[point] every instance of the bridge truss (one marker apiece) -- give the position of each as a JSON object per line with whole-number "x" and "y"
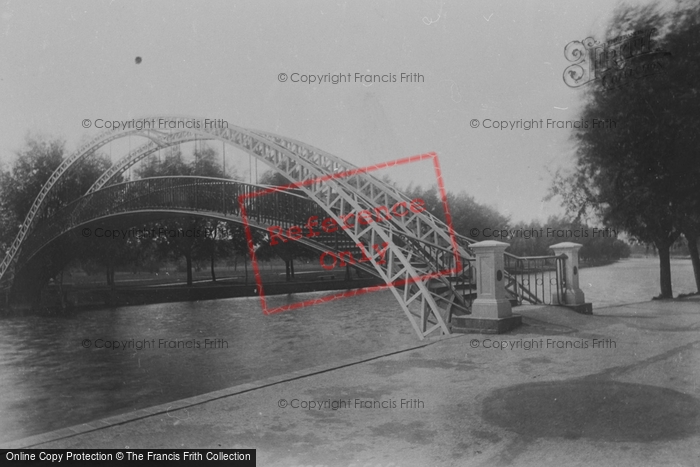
{"x": 421, "y": 248}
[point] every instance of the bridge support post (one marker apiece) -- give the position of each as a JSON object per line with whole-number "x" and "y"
{"x": 572, "y": 296}
{"x": 491, "y": 311}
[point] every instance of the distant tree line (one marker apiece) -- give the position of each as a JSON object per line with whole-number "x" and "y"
{"x": 599, "y": 245}
{"x": 470, "y": 217}
{"x": 41, "y": 156}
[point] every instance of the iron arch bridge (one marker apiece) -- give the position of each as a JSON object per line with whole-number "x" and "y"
{"x": 420, "y": 246}
{"x": 209, "y": 197}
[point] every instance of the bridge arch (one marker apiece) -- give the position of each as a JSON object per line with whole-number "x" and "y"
{"x": 416, "y": 259}
{"x": 214, "y": 198}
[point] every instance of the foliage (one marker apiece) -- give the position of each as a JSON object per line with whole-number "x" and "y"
{"x": 644, "y": 175}
{"x": 535, "y": 239}
{"x": 288, "y": 251}
{"x": 192, "y": 238}
{"x": 32, "y": 167}
{"x": 468, "y": 216}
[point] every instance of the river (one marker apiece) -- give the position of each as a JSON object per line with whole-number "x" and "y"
{"x": 52, "y": 377}
{"x": 633, "y": 280}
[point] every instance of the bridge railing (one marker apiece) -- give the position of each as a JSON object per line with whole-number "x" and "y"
{"x": 530, "y": 279}
{"x": 280, "y": 207}
{"x": 177, "y": 193}
{"x": 451, "y": 279}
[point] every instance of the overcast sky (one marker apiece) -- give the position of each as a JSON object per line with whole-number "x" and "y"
{"x": 65, "y": 61}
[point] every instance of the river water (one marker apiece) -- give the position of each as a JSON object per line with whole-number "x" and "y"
{"x": 633, "y": 280}
{"x": 50, "y": 378}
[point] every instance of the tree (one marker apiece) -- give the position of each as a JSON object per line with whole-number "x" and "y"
{"x": 191, "y": 238}
{"x": 288, "y": 251}
{"x": 19, "y": 186}
{"x": 34, "y": 164}
{"x": 170, "y": 166}
{"x": 273, "y": 178}
{"x": 241, "y": 249}
{"x": 535, "y": 239}
{"x": 684, "y": 41}
{"x": 467, "y": 214}
{"x": 643, "y": 175}
{"x": 221, "y": 241}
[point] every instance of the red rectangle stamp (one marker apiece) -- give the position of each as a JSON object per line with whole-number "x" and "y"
{"x": 319, "y": 224}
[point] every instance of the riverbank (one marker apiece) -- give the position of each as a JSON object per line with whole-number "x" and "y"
{"x": 87, "y": 298}
{"x": 565, "y": 389}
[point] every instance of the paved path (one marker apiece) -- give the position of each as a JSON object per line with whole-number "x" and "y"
{"x": 619, "y": 388}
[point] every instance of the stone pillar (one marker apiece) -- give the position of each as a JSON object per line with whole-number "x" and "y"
{"x": 491, "y": 311}
{"x": 573, "y": 295}
{"x": 491, "y": 301}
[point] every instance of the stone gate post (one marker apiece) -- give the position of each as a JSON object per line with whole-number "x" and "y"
{"x": 491, "y": 311}
{"x": 573, "y": 296}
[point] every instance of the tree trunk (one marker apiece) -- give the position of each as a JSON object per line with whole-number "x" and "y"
{"x": 245, "y": 264}
{"x": 213, "y": 274}
{"x": 694, "y": 257}
{"x": 287, "y": 271}
{"x": 188, "y": 258}
{"x": 109, "y": 271}
{"x": 61, "y": 292}
{"x": 665, "y": 270}
{"x": 291, "y": 267}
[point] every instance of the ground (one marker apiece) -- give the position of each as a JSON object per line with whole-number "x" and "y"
{"x": 620, "y": 387}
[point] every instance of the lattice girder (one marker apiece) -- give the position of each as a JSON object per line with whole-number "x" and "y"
{"x": 136, "y": 155}
{"x": 340, "y": 195}
{"x": 124, "y": 198}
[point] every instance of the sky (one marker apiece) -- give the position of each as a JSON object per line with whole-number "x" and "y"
{"x": 65, "y": 61}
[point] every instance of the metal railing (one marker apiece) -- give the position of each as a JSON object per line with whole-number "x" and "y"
{"x": 536, "y": 279}
{"x": 529, "y": 279}
{"x": 454, "y": 285}
{"x": 178, "y": 194}
{"x": 280, "y": 207}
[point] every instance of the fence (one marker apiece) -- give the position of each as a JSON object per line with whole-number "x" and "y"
{"x": 536, "y": 279}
